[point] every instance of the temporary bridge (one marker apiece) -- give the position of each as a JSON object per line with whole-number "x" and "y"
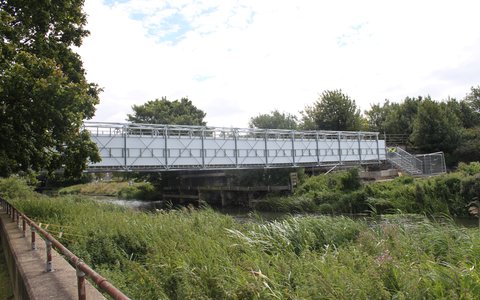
{"x": 153, "y": 147}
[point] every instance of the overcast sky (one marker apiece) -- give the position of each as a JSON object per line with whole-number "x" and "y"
{"x": 237, "y": 59}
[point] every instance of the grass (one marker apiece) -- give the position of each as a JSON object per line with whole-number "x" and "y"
{"x": 122, "y": 189}
{"x": 342, "y": 192}
{"x": 200, "y": 254}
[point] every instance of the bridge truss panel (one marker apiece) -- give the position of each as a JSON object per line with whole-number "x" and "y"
{"x": 147, "y": 147}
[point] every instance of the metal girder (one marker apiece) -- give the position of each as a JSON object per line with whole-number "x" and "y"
{"x": 143, "y": 147}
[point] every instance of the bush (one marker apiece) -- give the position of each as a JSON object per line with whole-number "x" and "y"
{"x": 469, "y": 169}
{"x": 15, "y": 188}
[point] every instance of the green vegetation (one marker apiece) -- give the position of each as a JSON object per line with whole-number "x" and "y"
{"x": 6, "y": 291}
{"x": 274, "y": 120}
{"x": 44, "y": 95}
{"x": 334, "y": 110}
{"x": 190, "y": 254}
{"x": 342, "y": 192}
{"x": 123, "y": 190}
{"x": 163, "y": 111}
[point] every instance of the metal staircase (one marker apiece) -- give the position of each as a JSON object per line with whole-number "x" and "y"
{"x": 404, "y": 161}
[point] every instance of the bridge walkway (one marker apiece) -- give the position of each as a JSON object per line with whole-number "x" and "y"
{"x": 27, "y": 267}
{"x": 156, "y": 147}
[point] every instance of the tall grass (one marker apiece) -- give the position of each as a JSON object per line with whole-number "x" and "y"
{"x": 200, "y": 254}
{"x": 342, "y": 192}
{"x": 123, "y": 190}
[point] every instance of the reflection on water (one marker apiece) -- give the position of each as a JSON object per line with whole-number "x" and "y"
{"x": 244, "y": 214}
{"x": 136, "y": 204}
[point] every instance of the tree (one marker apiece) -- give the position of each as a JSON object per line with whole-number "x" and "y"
{"x": 400, "y": 116}
{"x": 377, "y": 116}
{"x": 469, "y": 149}
{"x": 473, "y": 98}
{"x": 44, "y": 96}
{"x": 436, "y": 128}
{"x": 334, "y": 110}
{"x": 464, "y": 112}
{"x": 274, "y": 120}
{"x": 163, "y": 111}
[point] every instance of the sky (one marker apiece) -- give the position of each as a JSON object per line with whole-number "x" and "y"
{"x": 236, "y": 59}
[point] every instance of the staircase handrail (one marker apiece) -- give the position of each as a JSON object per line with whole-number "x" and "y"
{"x": 404, "y": 160}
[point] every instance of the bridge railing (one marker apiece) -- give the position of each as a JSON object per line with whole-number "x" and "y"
{"x": 128, "y": 147}
{"x": 81, "y": 268}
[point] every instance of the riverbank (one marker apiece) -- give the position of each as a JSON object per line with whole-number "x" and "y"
{"x": 337, "y": 193}
{"x": 200, "y": 254}
{"x": 343, "y": 192}
{"x": 120, "y": 189}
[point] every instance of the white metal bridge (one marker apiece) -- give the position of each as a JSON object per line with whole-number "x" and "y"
{"x": 148, "y": 147}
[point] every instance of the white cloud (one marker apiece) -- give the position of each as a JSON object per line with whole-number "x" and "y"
{"x": 236, "y": 59}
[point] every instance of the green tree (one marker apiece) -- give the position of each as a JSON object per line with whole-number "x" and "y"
{"x": 469, "y": 149}
{"x": 473, "y": 98}
{"x": 400, "y": 116}
{"x": 436, "y": 128}
{"x": 44, "y": 96}
{"x": 334, "y": 110}
{"x": 274, "y": 120}
{"x": 163, "y": 111}
{"x": 377, "y": 116}
{"x": 464, "y": 111}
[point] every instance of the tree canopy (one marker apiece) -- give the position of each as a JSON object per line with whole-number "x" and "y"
{"x": 44, "y": 95}
{"x": 334, "y": 110}
{"x": 436, "y": 127}
{"x": 274, "y": 120}
{"x": 163, "y": 111}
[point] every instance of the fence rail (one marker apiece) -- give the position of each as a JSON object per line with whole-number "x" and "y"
{"x": 82, "y": 269}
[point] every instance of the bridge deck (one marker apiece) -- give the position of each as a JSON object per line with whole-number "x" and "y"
{"x": 145, "y": 147}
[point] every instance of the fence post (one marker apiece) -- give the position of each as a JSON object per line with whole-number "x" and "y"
{"x": 24, "y": 227}
{"x": 80, "y": 281}
{"x": 34, "y": 246}
{"x": 48, "y": 245}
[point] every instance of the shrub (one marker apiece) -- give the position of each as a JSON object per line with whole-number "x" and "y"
{"x": 469, "y": 169}
{"x": 15, "y": 188}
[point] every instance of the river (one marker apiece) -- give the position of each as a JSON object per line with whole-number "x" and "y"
{"x": 245, "y": 214}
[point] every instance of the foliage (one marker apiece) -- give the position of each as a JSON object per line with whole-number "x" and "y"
{"x": 377, "y": 116}
{"x": 334, "y": 110}
{"x": 44, "y": 95}
{"x": 464, "y": 111}
{"x": 140, "y": 191}
{"x": 122, "y": 190}
{"x": 401, "y": 115}
{"x": 204, "y": 255}
{"x": 435, "y": 128}
{"x": 15, "y": 187}
{"x": 473, "y": 100}
{"x": 163, "y": 111}
{"x": 6, "y": 290}
{"x": 469, "y": 169}
{"x": 274, "y": 120}
{"x": 469, "y": 148}
{"x": 341, "y": 192}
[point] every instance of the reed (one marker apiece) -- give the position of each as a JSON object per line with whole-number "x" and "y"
{"x": 200, "y": 254}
